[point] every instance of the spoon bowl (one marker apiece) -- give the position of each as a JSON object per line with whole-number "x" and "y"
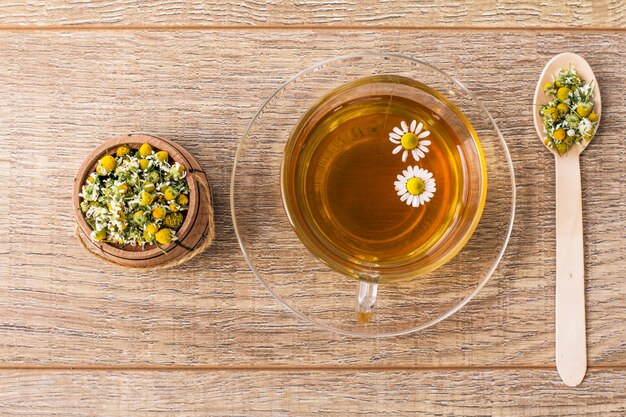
{"x": 571, "y": 340}
{"x": 553, "y": 66}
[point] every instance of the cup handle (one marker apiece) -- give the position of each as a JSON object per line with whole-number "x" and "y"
{"x": 366, "y": 298}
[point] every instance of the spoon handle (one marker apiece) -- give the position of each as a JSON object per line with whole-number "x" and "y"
{"x": 571, "y": 349}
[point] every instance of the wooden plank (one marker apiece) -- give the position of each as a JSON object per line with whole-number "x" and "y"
{"x": 5, "y": 184}
{"x": 65, "y": 92}
{"x": 472, "y": 13}
{"x": 306, "y": 393}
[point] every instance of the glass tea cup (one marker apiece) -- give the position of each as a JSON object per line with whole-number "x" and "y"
{"x": 339, "y": 170}
{"x": 279, "y": 189}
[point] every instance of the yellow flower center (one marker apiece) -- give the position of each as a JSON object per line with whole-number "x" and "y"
{"x": 415, "y": 186}
{"x": 409, "y": 141}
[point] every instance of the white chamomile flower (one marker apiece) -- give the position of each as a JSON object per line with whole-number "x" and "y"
{"x": 416, "y": 186}
{"x": 410, "y": 138}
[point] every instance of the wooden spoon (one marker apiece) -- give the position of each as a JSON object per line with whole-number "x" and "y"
{"x": 571, "y": 350}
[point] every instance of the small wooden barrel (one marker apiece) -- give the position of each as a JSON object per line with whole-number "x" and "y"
{"x": 195, "y": 234}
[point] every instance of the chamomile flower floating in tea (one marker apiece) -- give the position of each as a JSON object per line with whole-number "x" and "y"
{"x": 416, "y": 186}
{"x": 410, "y": 138}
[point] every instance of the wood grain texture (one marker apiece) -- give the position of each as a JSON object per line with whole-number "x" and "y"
{"x": 301, "y": 393}
{"x": 65, "y": 92}
{"x": 608, "y": 14}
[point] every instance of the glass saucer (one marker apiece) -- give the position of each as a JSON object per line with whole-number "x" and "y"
{"x": 305, "y": 284}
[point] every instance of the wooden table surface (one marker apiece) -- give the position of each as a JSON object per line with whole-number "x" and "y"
{"x": 81, "y": 338}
